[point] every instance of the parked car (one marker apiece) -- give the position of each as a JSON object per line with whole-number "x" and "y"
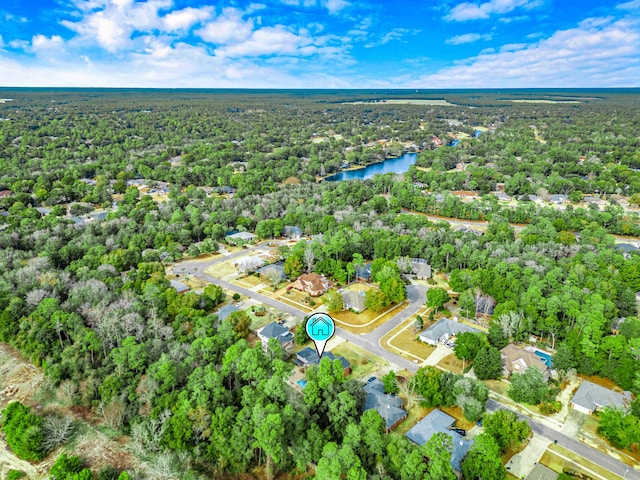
{"x": 460, "y": 431}
{"x": 239, "y": 304}
{"x": 371, "y": 379}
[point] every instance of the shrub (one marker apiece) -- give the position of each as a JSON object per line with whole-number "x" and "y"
{"x": 549, "y": 408}
{"x": 24, "y": 432}
{"x": 15, "y": 475}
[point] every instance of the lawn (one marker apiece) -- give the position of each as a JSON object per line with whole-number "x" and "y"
{"x": 402, "y": 340}
{"x": 451, "y": 363}
{"x": 366, "y": 321}
{"x": 221, "y": 270}
{"x": 552, "y": 458}
{"x": 363, "y": 363}
{"x": 359, "y": 287}
{"x": 250, "y": 281}
{"x": 456, "y": 412}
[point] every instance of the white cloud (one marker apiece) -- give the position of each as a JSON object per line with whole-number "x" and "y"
{"x": 473, "y": 11}
{"x": 597, "y": 53}
{"x": 632, "y": 5}
{"x": 41, "y": 43}
{"x": 229, "y": 27}
{"x": 270, "y": 41}
{"x": 467, "y": 38}
{"x": 113, "y": 25}
{"x": 333, "y": 6}
{"x": 186, "y": 18}
{"x": 392, "y": 35}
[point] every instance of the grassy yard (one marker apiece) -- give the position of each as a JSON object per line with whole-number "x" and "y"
{"x": 221, "y": 270}
{"x": 558, "y": 458}
{"x": 402, "y": 339}
{"x": 250, "y": 281}
{"x": 363, "y": 363}
{"x": 451, "y": 363}
{"x": 366, "y": 321}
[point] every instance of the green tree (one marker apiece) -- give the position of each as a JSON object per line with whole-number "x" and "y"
{"x": 293, "y": 266}
{"x": 483, "y": 460}
{"x": 438, "y": 450}
{"x": 333, "y": 301}
{"x": 506, "y": 429}
{"x": 487, "y": 364}
{"x": 240, "y": 322}
{"x": 467, "y": 346}
{"x": 23, "y": 430}
{"x": 437, "y": 297}
{"x": 390, "y": 382}
{"x": 529, "y": 387}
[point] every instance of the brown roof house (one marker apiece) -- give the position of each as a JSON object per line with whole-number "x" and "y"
{"x": 312, "y": 283}
{"x": 517, "y": 360}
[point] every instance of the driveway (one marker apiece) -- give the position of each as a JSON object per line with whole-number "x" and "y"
{"x": 370, "y": 342}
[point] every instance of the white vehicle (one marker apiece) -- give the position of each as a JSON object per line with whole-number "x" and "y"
{"x": 239, "y": 304}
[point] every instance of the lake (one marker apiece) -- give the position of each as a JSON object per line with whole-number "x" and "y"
{"x": 390, "y": 165}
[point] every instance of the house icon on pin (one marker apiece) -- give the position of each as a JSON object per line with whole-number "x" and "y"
{"x": 320, "y": 327}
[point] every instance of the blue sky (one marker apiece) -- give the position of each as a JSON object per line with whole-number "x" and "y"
{"x": 320, "y": 43}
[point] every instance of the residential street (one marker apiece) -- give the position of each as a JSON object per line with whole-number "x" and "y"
{"x": 370, "y": 342}
{"x": 575, "y": 446}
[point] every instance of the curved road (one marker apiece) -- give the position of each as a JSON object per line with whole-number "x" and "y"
{"x": 371, "y": 343}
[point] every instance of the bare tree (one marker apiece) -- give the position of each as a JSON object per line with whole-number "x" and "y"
{"x": 245, "y": 265}
{"x": 510, "y": 324}
{"x": 112, "y": 414}
{"x": 273, "y": 275}
{"x": 408, "y": 389}
{"x": 56, "y": 431}
{"x": 309, "y": 259}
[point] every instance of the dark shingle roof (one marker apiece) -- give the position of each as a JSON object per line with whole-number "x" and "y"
{"x": 446, "y": 326}
{"x": 225, "y": 311}
{"x": 274, "y": 330}
{"x": 591, "y": 396}
{"x": 389, "y": 407}
{"x": 438, "y": 421}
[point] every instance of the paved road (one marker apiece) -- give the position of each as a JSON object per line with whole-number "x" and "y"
{"x": 595, "y": 456}
{"x": 370, "y": 342}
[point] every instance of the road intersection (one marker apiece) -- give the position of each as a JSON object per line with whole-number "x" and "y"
{"x": 371, "y": 343}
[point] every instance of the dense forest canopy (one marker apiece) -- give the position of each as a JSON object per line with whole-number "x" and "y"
{"x": 90, "y": 303}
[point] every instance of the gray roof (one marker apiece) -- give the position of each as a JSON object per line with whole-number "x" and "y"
{"x": 275, "y": 330}
{"x": 246, "y": 236}
{"x": 389, "y": 407}
{"x": 540, "y": 472}
{"x": 99, "y": 215}
{"x": 309, "y": 356}
{"x": 263, "y": 271}
{"x": 446, "y": 326}
{"x": 421, "y": 267}
{"x": 626, "y": 247}
{"x": 43, "y": 210}
{"x": 438, "y": 421}
{"x": 364, "y": 271}
{"x": 592, "y": 396}
{"x": 354, "y": 299}
{"x": 225, "y": 311}
{"x": 179, "y": 286}
{"x": 290, "y": 231}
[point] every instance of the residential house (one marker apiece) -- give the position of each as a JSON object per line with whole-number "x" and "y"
{"x": 540, "y": 472}
{"x": 265, "y": 271}
{"x": 44, "y": 211}
{"x": 78, "y": 221}
{"x": 594, "y": 200}
{"x": 240, "y": 237}
{"x": 353, "y": 301}
{"x": 309, "y": 356}
{"x": 224, "y": 312}
{"x": 292, "y": 232}
{"x": 312, "y": 283}
{"x": 517, "y": 360}
{"x": 225, "y": 190}
{"x": 277, "y": 331}
{"x": 465, "y": 195}
{"x": 591, "y": 397}
{"x": 421, "y": 269}
{"x": 390, "y": 407}
{"x": 439, "y": 422}
{"x": 179, "y": 286}
{"x": 443, "y": 330}
{"x": 502, "y": 197}
{"x": 363, "y": 272}
{"x": 98, "y": 216}
{"x": 559, "y": 199}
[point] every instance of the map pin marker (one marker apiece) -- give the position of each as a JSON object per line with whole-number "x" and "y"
{"x": 320, "y": 328}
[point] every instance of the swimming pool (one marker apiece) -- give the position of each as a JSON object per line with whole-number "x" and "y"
{"x": 546, "y": 358}
{"x": 302, "y": 383}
